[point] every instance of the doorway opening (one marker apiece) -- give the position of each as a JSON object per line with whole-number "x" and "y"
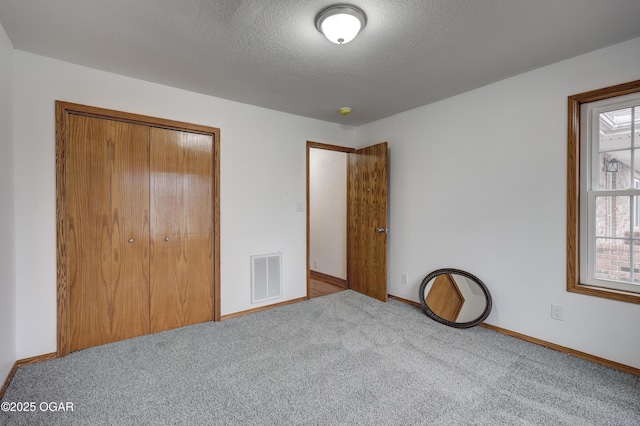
{"x": 326, "y": 219}
{"x": 347, "y": 242}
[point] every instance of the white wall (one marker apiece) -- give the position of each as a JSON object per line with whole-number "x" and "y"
{"x": 478, "y": 182}
{"x": 263, "y": 168}
{"x": 7, "y": 217}
{"x": 328, "y": 211}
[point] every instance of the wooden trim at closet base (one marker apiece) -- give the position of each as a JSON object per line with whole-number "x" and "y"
{"x": 329, "y": 279}
{"x": 263, "y": 308}
{"x": 36, "y": 359}
{"x": 568, "y": 351}
{"x": 21, "y": 363}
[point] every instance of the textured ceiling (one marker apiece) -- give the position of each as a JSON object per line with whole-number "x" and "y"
{"x": 269, "y": 53}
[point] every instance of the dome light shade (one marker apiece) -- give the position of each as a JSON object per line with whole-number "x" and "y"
{"x": 340, "y": 23}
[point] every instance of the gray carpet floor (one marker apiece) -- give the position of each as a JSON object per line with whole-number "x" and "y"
{"x": 342, "y": 359}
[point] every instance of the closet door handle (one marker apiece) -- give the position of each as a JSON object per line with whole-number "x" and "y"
{"x": 130, "y": 240}
{"x": 166, "y": 238}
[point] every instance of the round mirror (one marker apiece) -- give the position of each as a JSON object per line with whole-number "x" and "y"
{"x": 455, "y": 298}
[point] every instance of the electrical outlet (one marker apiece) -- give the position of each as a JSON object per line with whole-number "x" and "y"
{"x": 557, "y": 312}
{"x": 405, "y": 278}
{"x": 315, "y": 264}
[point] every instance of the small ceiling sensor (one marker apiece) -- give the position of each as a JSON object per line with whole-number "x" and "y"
{"x": 341, "y": 23}
{"x": 344, "y": 111}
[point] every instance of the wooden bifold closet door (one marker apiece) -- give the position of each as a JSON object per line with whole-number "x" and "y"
{"x": 108, "y": 214}
{"x": 140, "y": 220}
{"x": 181, "y": 229}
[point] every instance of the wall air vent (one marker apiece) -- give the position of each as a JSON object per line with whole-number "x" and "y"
{"x": 265, "y": 277}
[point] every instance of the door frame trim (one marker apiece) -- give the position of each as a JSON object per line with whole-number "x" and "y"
{"x": 327, "y": 147}
{"x": 63, "y": 110}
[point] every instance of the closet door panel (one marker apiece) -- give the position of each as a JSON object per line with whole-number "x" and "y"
{"x": 108, "y": 180}
{"x": 130, "y": 235}
{"x": 197, "y": 233}
{"x": 181, "y": 229}
{"x": 89, "y": 219}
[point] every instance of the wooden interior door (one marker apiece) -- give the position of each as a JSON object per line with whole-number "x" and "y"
{"x": 367, "y": 190}
{"x": 181, "y": 228}
{"x": 108, "y": 275}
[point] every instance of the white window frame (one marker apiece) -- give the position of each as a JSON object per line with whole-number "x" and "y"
{"x": 636, "y": 205}
{"x": 589, "y": 189}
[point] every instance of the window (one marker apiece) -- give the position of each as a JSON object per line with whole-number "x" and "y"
{"x": 603, "y": 233}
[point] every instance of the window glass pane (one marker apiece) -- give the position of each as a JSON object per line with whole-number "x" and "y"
{"x": 613, "y": 259}
{"x": 636, "y": 160}
{"x": 636, "y": 261}
{"x": 615, "y": 129}
{"x": 613, "y": 216}
{"x": 615, "y": 170}
{"x": 636, "y": 212}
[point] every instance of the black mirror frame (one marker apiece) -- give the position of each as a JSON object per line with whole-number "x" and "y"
{"x": 432, "y": 315}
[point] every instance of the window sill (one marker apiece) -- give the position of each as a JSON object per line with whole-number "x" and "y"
{"x": 606, "y": 293}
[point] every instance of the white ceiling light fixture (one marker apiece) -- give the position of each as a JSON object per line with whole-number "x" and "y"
{"x": 341, "y": 23}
